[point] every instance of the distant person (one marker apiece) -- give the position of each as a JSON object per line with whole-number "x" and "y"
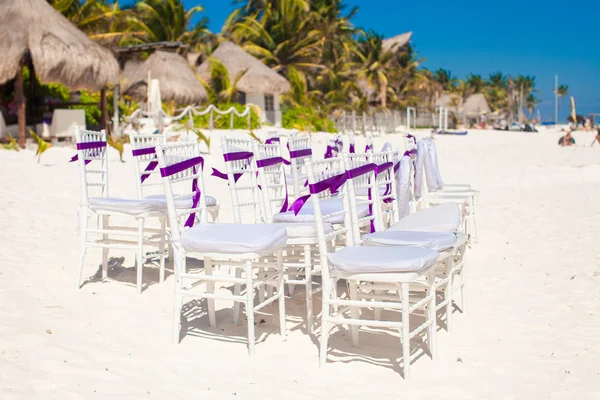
{"x": 567, "y": 140}
{"x": 597, "y": 138}
{"x": 483, "y": 121}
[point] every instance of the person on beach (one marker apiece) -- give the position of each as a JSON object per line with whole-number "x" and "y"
{"x": 597, "y": 138}
{"x": 567, "y": 140}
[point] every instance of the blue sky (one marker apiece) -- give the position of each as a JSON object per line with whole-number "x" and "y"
{"x": 530, "y": 37}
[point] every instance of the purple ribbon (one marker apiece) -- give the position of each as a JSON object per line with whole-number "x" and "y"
{"x": 359, "y": 171}
{"x": 300, "y": 153}
{"x": 352, "y": 149}
{"x": 273, "y": 139}
{"x": 151, "y": 165}
{"x": 234, "y": 156}
{"x": 367, "y": 148}
{"x": 333, "y": 183}
{"x": 388, "y": 188}
{"x": 267, "y": 162}
{"x": 411, "y": 137}
{"x": 329, "y": 152}
{"x": 182, "y": 166}
{"x": 87, "y": 146}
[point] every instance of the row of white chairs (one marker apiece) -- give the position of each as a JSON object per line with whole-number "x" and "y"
{"x": 354, "y": 198}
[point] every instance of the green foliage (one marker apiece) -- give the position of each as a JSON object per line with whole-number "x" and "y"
{"x": 223, "y": 121}
{"x": 42, "y": 145}
{"x": 202, "y": 138}
{"x": 12, "y": 144}
{"x": 118, "y": 144}
{"x": 306, "y": 119}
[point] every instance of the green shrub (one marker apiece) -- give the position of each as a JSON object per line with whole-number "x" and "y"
{"x": 306, "y": 119}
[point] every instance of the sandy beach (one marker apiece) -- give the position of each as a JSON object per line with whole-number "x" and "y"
{"x": 532, "y": 330}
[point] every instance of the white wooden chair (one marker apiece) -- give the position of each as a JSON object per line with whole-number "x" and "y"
{"x": 238, "y": 246}
{"x": 147, "y": 174}
{"x": 93, "y": 167}
{"x": 300, "y": 150}
{"x": 361, "y": 264}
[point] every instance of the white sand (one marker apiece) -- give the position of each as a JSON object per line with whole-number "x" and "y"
{"x": 532, "y": 330}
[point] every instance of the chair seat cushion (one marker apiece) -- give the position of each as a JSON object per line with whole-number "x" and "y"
{"x": 233, "y": 238}
{"x": 123, "y": 206}
{"x": 370, "y": 259}
{"x": 184, "y": 202}
{"x": 441, "y": 218}
{"x": 297, "y": 230}
{"x": 328, "y": 206}
{"x": 437, "y": 241}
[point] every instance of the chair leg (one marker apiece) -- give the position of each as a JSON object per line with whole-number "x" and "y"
{"x": 250, "y": 306}
{"x": 140, "y": 254}
{"x": 432, "y": 316}
{"x": 463, "y": 287}
{"x": 83, "y": 221}
{"x": 324, "y": 325}
{"x": 405, "y": 330}
{"x": 354, "y": 311}
{"x": 378, "y": 310}
{"x": 177, "y": 317}
{"x": 236, "y": 291}
{"x": 309, "y": 289}
{"x": 281, "y": 294}
{"x": 261, "y": 289}
{"x": 210, "y": 286}
{"x": 161, "y": 248}
{"x": 105, "y": 250}
{"x": 448, "y": 299}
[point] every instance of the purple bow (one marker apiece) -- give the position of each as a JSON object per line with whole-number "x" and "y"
{"x": 352, "y": 150}
{"x": 332, "y": 184}
{"x": 234, "y": 156}
{"x": 368, "y": 148}
{"x": 267, "y": 162}
{"x": 182, "y": 166}
{"x": 273, "y": 139}
{"x": 151, "y": 165}
{"x": 87, "y": 146}
{"x": 411, "y": 137}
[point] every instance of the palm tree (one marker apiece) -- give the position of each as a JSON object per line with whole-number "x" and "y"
{"x": 561, "y": 92}
{"x": 167, "y": 20}
{"x": 220, "y": 88}
{"x": 444, "y": 77}
{"x": 476, "y": 83}
{"x": 376, "y": 65}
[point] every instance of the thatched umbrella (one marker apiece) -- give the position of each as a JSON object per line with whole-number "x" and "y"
{"x": 452, "y": 102}
{"x": 177, "y": 80}
{"x": 475, "y": 105}
{"x": 397, "y": 42}
{"x": 59, "y": 51}
{"x": 258, "y": 77}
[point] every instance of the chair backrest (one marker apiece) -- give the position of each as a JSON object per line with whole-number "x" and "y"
{"x": 181, "y": 167}
{"x": 93, "y": 162}
{"x": 320, "y": 173}
{"x": 272, "y": 180}
{"x": 145, "y": 164}
{"x": 404, "y": 186}
{"x": 420, "y": 169}
{"x": 410, "y": 142}
{"x": 361, "y": 187}
{"x": 385, "y": 178}
{"x": 300, "y": 151}
{"x": 432, "y": 158}
{"x": 241, "y": 175}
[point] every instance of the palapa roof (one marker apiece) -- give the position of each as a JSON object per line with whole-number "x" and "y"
{"x": 177, "y": 80}
{"x": 258, "y": 77}
{"x": 59, "y": 50}
{"x": 475, "y": 105}
{"x": 449, "y": 101}
{"x": 397, "y": 42}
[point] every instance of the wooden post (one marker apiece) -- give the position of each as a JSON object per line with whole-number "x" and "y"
{"x": 32, "y": 90}
{"x": 104, "y": 109}
{"x": 116, "y": 128}
{"x": 20, "y": 105}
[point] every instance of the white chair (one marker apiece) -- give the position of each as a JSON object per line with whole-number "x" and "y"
{"x": 300, "y": 150}
{"x": 361, "y": 264}
{"x": 147, "y": 174}
{"x": 302, "y": 237}
{"x": 238, "y": 246}
{"x": 93, "y": 166}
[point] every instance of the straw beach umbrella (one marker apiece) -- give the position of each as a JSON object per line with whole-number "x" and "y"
{"x": 59, "y": 52}
{"x": 397, "y": 42}
{"x": 258, "y": 77}
{"x": 475, "y": 105}
{"x": 177, "y": 80}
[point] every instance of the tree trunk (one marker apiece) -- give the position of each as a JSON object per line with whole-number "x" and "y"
{"x": 20, "y": 106}
{"x": 104, "y": 109}
{"x": 383, "y": 95}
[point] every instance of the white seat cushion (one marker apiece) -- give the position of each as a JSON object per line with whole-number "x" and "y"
{"x": 370, "y": 259}
{"x": 441, "y": 218}
{"x": 304, "y": 230}
{"x": 328, "y": 206}
{"x": 233, "y": 238}
{"x": 123, "y": 206}
{"x": 185, "y": 202}
{"x": 437, "y": 241}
